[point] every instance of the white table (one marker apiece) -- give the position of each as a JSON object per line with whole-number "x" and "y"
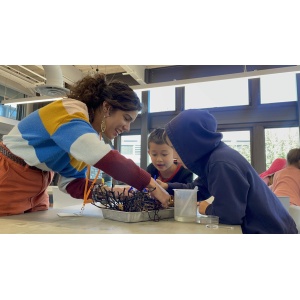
{"x": 92, "y": 222}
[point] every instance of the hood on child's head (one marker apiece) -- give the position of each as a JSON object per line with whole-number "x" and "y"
{"x": 193, "y": 134}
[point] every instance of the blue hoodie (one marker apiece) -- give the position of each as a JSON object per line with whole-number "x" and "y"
{"x": 240, "y": 195}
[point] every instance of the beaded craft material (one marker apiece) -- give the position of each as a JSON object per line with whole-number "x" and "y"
{"x": 134, "y": 201}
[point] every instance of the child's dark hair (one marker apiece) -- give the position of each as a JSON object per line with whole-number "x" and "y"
{"x": 293, "y": 157}
{"x": 156, "y": 137}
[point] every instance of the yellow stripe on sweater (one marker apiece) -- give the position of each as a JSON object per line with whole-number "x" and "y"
{"x": 52, "y": 116}
{"x": 76, "y": 164}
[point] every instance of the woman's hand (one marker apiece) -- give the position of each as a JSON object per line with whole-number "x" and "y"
{"x": 163, "y": 184}
{"x": 159, "y": 193}
{"x": 121, "y": 190}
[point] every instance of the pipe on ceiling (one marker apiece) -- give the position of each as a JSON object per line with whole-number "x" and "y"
{"x": 54, "y": 86}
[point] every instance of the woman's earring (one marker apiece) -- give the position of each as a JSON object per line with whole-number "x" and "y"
{"x": 103, "y": 125}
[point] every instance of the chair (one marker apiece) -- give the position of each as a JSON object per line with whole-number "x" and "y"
{"x": 285, "y": 201}
{"x": 293, "y": 210}
{"x": 295, "y": 214}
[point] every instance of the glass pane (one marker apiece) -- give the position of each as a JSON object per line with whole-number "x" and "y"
{"x": 139, "y": 94}
{"x": 127, "y": 149}
{"x": 131, "y": 147}
{"x": 219, "y": 93}
{"x": 94, "y": 172}
{"x": 8, "y": 111}
{"x": 279, "y": 141}
{"x": 240, "y": 141}
{"x": 278, "y": 88}
{"x": 162, "y": 99}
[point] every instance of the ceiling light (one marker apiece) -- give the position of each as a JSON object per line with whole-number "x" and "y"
{"x": 36, "y": 99}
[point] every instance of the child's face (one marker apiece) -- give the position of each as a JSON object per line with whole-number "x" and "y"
{"x": 175, "y": 154}
{"x": 161, "y": 156}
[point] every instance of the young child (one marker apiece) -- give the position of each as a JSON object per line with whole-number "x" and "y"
{"x": 240, "y": 196}
{"x": 163, "y": 166}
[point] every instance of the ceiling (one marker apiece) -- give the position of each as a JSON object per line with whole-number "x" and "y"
{"x": 19, "y": 80}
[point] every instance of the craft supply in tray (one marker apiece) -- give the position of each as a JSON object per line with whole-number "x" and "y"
{"x": 129, "y": 206}
{"x": 142, "y": 216}
{"x": 133, "y": 201}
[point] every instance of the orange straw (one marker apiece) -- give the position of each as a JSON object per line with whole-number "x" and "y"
{"x": 86, "y": 190}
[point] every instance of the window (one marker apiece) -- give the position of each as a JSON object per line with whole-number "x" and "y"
{"x": 127, "y": 149}
{"x": 279, "y": 141}
{"x": 131, "y": 147}
{"x": 219, "y": 93}
{"x": 94, "y": 172}
{"x": 160, "y": 99}
{"x": 240, "y": 141}
{"x": 8, "y": 111}
{"x": 278, "y": 88}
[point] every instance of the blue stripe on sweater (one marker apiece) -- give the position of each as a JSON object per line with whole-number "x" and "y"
{"x": 54, "y": 150}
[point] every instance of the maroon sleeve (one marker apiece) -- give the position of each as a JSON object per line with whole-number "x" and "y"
{"x": 123, "y": 169}
{"x": 76, "y": 188}
{"x": 119, "y": 168}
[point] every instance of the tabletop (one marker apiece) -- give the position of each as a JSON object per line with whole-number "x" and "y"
{"x": 57, "y": 221}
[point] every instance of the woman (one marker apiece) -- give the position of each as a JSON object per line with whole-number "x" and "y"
{"x": 240, "y": 196}
{"x": 287, "y": 181}
{"x": 63, "y": 137}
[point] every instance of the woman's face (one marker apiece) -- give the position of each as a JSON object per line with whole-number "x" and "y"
{"x": 116, "y": 122}
{"x": 175, "y": 154}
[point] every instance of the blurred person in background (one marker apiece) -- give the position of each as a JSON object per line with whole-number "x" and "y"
{"x": 277, "y": 165}
{"x": 287, "y": 181}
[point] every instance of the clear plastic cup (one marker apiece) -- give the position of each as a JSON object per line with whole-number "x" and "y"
{"x": 185, "y": 205}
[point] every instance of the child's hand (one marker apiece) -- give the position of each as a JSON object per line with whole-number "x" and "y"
{"x": 163, "y": 184}
{"x": 202, "y": 207}
{"x": 159, "y": 193}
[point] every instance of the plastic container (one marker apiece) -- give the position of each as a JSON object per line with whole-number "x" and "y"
{"x": 207, "y": 219}
{"x": 185, "y": 205}
{"x": 133, "y": 217}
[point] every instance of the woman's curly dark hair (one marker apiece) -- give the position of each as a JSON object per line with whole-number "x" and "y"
{"x": 93, "y": 90}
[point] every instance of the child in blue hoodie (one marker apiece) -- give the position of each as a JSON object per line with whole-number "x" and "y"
{"x": 240, "y": 196}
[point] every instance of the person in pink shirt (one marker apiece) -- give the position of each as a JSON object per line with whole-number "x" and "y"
{"x": 287, "y": 181}
{"x": 277, "y": 165}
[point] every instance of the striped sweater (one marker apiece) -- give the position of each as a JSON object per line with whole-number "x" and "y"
{"x": 59, "y": 137}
